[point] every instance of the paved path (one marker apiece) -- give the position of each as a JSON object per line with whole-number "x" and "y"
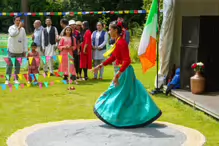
{"x": 96, "y": 133}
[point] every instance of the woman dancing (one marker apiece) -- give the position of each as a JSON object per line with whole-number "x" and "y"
{"x": 126, "y": 103}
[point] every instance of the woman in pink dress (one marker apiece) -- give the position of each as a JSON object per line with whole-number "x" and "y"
{"x": 86, "y": 50}
{"x": 66, "y": 45}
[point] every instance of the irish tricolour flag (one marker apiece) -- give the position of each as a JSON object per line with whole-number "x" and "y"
{"x": 147, "y": 46}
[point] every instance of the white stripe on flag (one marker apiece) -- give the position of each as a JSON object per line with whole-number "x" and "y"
{"x": 149, "y": 31}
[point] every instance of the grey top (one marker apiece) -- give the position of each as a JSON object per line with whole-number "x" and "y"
{"x": 38, "y": 36}
{"x": 98, "y": 54}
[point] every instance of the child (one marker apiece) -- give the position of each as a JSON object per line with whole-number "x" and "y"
{"x": 66, "y": 45}
{"x": 175, "y": 82}
{"x": 33, "y": 67}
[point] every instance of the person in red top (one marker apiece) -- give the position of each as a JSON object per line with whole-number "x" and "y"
{"x": 126, "y": 103}
{"x": 86, "y": 50}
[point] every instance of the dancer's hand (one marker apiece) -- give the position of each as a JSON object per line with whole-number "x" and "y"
{"x": 97, "y": 68}
{"x": 116, "y": 79}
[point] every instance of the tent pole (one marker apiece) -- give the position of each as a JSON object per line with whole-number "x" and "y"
{"x": 157, "y": 89}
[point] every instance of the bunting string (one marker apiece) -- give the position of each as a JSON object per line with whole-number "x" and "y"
{"x": 28, "y": 61}
{"x": 74, "y": 13}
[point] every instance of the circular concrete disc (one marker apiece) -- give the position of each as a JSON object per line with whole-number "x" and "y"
{"x": 99, "y": 134}
{"x": 96, "y": 133}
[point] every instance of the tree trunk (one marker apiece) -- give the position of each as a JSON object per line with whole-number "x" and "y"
{"x": 24, "y": 8}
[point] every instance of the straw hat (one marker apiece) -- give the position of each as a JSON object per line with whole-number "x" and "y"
{"x": 71, "y": 22}
{"x": 78, "y": 23}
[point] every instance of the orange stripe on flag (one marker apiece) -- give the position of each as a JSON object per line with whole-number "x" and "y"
{"x": 148, "y": 59}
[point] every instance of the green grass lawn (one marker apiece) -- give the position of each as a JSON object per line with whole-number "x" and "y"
{"x": 29, "y": 106}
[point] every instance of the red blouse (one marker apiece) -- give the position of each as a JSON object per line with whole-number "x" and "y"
{"x": 120, "y": 55}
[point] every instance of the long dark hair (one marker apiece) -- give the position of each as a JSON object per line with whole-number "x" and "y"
{"x": 85, "y": 27}
{"x": 71, "y": 35}
{"x": 118, "y": 26}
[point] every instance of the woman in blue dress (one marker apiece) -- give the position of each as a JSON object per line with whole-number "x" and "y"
{"x": 126, "y": 103}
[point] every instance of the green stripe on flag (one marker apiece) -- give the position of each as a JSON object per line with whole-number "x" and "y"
{"x": 153, "y": 12}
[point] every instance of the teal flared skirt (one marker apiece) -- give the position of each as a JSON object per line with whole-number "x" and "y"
{"x": 127, "y": 105}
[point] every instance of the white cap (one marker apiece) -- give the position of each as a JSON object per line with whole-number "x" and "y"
{"x": 71, "y": 22}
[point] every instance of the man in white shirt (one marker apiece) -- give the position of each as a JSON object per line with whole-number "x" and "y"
{"x": 17, "y": 48}
{"x": 49, "y": 42}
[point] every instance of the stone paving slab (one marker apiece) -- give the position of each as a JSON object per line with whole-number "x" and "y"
{"x": 96, "y": 133}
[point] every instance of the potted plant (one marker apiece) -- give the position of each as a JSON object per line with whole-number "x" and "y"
{"x": 197, "y": 81}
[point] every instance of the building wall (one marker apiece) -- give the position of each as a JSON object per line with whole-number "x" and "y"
{"x": 189, "y": 8}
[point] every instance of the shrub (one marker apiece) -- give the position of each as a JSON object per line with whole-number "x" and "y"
{"x": 133, "y": 48}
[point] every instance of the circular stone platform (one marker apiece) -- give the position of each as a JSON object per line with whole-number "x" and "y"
{"x": 96, "y": 133}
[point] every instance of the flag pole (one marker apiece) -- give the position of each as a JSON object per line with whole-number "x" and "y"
{"x": 157, "y": 89}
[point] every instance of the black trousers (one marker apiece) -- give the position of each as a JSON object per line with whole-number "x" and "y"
{"x": 77, "y": 64}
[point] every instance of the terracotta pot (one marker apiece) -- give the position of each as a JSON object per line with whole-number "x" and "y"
{"x": 197, "y": 83}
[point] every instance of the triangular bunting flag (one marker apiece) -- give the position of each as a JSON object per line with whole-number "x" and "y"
{"x": 61, "y": 74}
{"x": 20, "y": 76}
{"x": 54, "y": 58}
{"x": 24, "y": 61}
{"x": 48, "y": 74}
{"x": 51, "y": 83}
{"x": 28, "y": 84}
{"x": 46, "y": 84}
{"x": 4, "y": 87}
{"x": 25, "y": 76}
{"x": 13, "y": 60}
{"x": 7, "y": 61}
{"x": 37, "y": 76}
{"x": 16, "y": 86}
{"x": 60, "y": 58}
{"x": 22, "y": 86}
{"x": 10, "y": 89}
{"x": 64, "y": 81}
{"x": 70, "y": 57}
{"x": 9, "y": 85}
{"x": 43, "y": 59}
{"x": 7, "y": 76}
{"x": 19, "y": 60}
{"x": 30, "y": 60}
{"x": 5, "y": 50}
{"x": 40, "y": 85}
{"x": 44, "y": 75}
{"x": 32, "y": 76}
{"x": 57, "y": 74}
{"x": 48, "y": 58}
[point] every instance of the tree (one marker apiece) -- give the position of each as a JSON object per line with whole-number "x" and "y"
{"x": 25, "y": 8}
